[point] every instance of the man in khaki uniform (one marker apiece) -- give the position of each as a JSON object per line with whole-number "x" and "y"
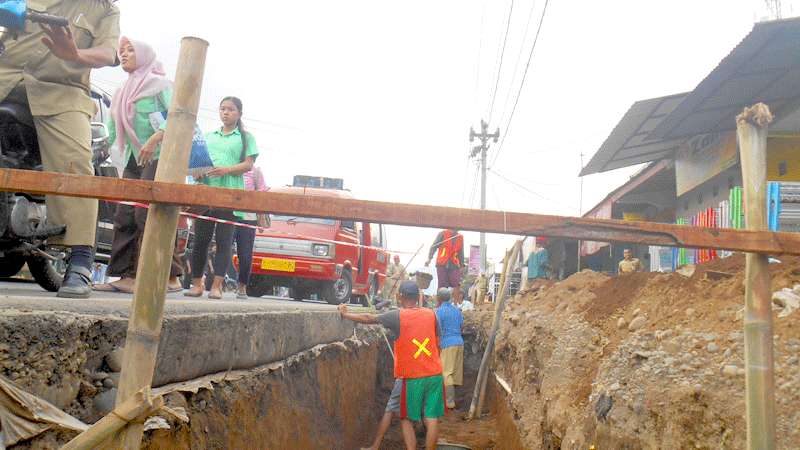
{"x": 629, "y": 264}
{"x": 395, "y": 274}
{"x": 48, "y": 68}
{"x": 480, "y": 289}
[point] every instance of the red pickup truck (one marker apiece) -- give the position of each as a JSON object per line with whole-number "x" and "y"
{"x": 332, "y": 259}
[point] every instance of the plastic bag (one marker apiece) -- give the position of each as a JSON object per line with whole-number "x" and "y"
{"x": 199, "y": 160}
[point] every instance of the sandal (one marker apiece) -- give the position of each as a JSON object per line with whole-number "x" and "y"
{"x": 191, "y": 293}
{"x": 110, "y": 287}
{"x": 214, "y": 296}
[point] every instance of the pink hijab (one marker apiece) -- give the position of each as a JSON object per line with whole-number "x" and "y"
{"x": 147, "y": 80}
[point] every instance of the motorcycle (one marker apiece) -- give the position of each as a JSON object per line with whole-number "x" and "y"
{"x": 24, "y": 228}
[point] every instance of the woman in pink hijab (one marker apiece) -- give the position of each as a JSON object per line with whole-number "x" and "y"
{"x": 138, "y": 113}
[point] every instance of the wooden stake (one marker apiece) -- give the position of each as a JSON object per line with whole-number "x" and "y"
{"x": 135, "y": 407}
{"x": 751, "y": 127}
{"x": 152, "y": 273}
{"x": 500, "y": 301}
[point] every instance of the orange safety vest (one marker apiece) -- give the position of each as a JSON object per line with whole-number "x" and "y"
{"x": 416, "y": 350}
{"x": 449, "y": 249}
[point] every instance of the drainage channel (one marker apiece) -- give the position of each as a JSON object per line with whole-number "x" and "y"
{"x": 329, "y": 395}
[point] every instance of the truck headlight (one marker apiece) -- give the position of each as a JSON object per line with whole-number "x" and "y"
{"x": 320, "y": 249}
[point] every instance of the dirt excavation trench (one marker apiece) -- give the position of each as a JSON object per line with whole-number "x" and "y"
{"x": 645, "y": 361}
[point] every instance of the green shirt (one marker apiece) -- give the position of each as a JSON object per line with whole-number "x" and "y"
{"x": 225, "y": 151}
{"x": 141, "y": 123}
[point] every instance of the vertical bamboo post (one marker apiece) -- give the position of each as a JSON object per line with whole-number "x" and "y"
{"x": 751, "y": 127}
{"x": 500, "y": 301}
{"x": 147, "y": 312}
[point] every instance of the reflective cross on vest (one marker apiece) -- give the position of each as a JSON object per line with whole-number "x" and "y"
{"x": 417, "y": 348}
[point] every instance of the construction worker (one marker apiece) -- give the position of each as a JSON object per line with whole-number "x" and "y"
{"x": 48, "y": 69}
{"x": 449, "y": 250}
{"x": 629, "y": 264}
{"x": 417, "y": 362}
{"x": 450, "y": 320}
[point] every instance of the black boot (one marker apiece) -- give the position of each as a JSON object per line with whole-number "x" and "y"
{"x": 77, "y": 283}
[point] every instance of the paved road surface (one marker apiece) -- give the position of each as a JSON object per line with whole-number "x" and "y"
{"x": 21, "y": 295}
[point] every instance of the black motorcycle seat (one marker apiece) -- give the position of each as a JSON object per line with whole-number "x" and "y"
{"x": 16, "y": 113}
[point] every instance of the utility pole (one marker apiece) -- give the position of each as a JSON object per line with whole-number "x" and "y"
{"x": 484, "y": 136}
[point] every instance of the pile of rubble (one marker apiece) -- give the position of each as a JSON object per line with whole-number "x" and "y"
{"x": 646, "y": 360}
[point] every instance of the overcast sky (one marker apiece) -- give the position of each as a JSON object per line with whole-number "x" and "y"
{"x": 383, "y": 94}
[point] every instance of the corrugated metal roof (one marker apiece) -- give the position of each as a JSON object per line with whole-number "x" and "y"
{"x": 628, "y": 144}
{"x": 764, "y": 67}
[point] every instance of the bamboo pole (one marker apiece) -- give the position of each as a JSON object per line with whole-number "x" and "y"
{"x": 305, "y": 205}
{"x": 135, "y": 407}
{"x": 147, "y": 314}
{"x": 751, "y": 126}
{"x": 500, "y": 301}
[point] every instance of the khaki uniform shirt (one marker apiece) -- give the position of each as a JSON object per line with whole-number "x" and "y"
{"x": 634, "y": 265}
{"x": 55, "y": 86}
{"x": 482, "y": 283}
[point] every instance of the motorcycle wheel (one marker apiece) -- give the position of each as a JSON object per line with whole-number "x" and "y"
{"x": 45, "y": 272}
{"x": 10, "y": 266}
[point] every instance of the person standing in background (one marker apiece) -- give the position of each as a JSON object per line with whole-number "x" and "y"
{"x": 48, "y": 69}
{"x": 538, "y": 260}
{"x": 395, "y": 274}
{"x": 449, "y": 250}
{"x": 481, "y": 288}
{"x": 452, "y": 343}
{"x": 233, "y": 152}
{"x": 629, "y": 264}
{"x": 146, "y": 91}
{"x": 245, "y": 237}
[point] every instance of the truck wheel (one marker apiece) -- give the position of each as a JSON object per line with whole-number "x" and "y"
{"x": 11, "y": 265}
{"x": 258, "y": 288}
{"x": 336, "y": 292}
{"x": 299, "y": 294}
{"x": 45, "y": 273}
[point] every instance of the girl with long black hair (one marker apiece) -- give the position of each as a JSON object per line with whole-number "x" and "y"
{"x": 233, "y": 152}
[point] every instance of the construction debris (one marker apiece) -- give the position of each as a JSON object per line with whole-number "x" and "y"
{"x": 676, "y": 381}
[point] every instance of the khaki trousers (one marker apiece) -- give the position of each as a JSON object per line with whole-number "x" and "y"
{"x": 65, "y": 146}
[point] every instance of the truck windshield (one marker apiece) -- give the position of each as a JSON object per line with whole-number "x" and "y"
{"x": 315, "y": 220}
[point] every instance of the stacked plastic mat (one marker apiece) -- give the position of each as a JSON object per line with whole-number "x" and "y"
{"x": 729, "y": 214}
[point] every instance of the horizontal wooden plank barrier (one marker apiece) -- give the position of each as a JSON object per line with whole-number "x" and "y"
{"x": 515, "y": 223}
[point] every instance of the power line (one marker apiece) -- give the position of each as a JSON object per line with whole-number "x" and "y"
{"x": 474, "y": 187}
{"x": 526, "y": 189}
{"x": 480, "y": 50}
{"x": 464, "y": 182}
{"x": 500, "y": 66}
{"x": 519, "y": 58}
{"x": 522, "y": 84}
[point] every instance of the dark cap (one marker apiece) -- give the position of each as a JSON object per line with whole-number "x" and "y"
{"x": 409, "y": 288}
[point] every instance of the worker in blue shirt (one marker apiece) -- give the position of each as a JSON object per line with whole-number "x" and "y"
{"x": 452, "y": 343}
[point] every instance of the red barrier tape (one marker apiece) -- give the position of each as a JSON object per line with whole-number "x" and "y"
{"x": 257, "y": 228}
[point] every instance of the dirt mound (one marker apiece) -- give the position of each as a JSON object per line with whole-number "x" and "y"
{"x": 645, "y": 360}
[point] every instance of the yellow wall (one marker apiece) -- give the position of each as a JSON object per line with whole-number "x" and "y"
{"x": 783, "y": 149}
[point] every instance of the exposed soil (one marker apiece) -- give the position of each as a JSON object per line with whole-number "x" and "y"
{"x": 645, "y": 360}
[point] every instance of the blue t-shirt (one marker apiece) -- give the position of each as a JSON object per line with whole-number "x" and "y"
{"x": 450, "y": 322}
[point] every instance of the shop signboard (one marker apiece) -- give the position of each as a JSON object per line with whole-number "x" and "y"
{"x": 703, "y": 157}
{"x": 474, "y": 259}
